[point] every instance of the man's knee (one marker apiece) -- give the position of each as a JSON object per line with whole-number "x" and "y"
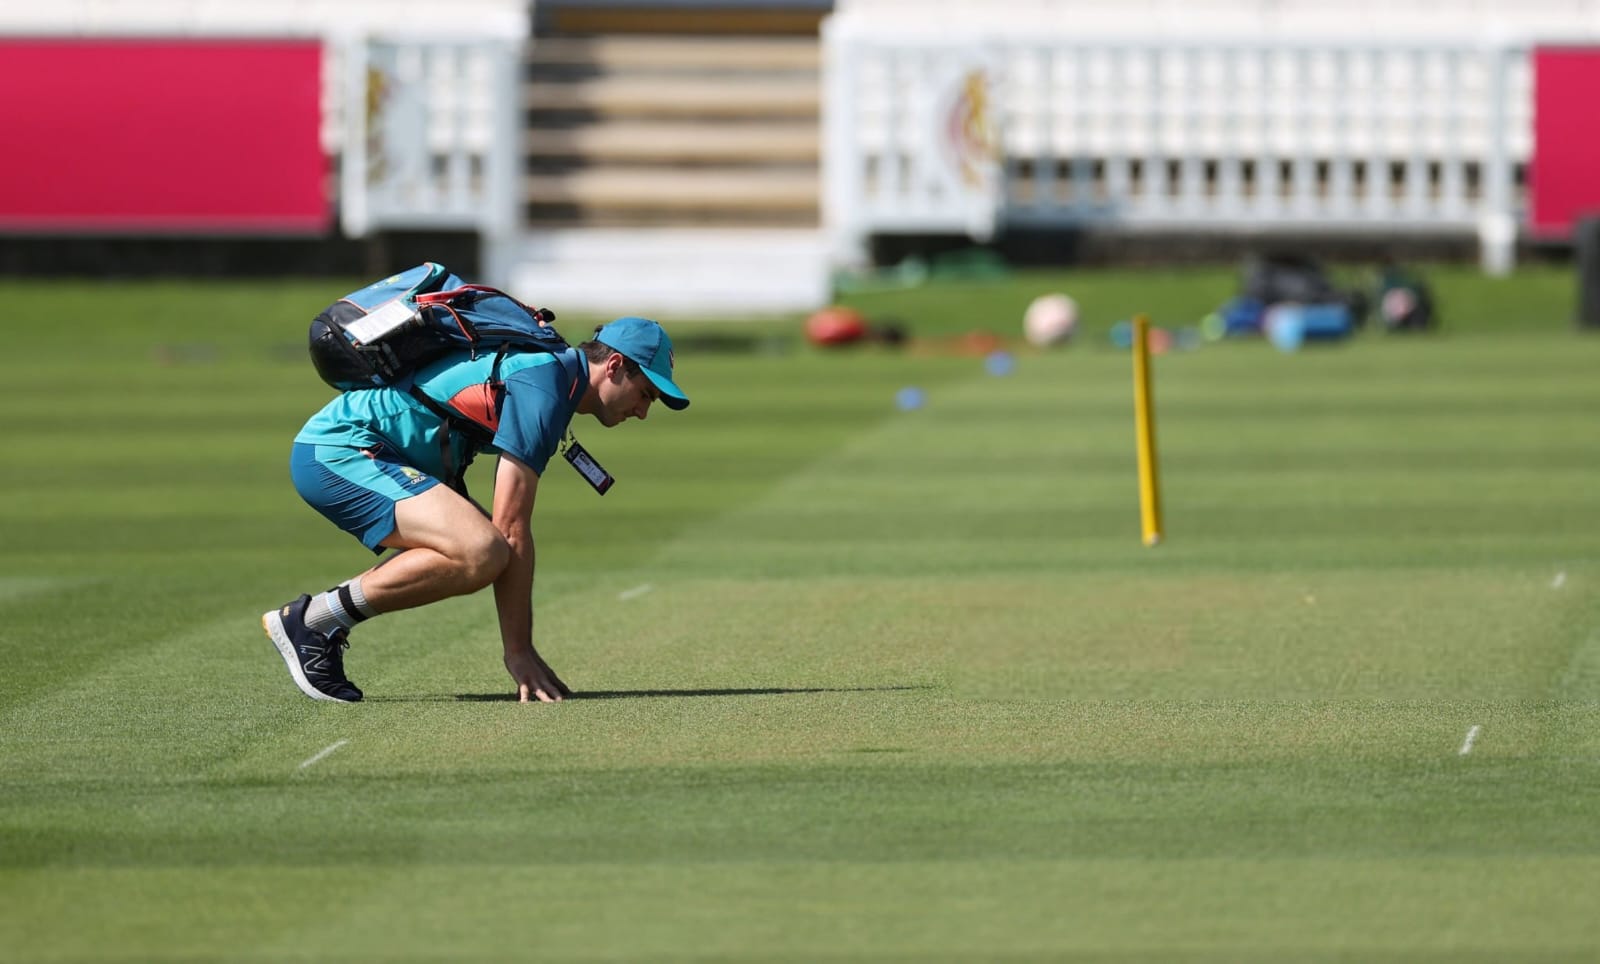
{"x": 484, "y": 557}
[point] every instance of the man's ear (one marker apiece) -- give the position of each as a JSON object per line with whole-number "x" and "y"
{"x": 614, "y": 363}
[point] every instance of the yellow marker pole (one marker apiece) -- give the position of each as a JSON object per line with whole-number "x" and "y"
{"x": 1145, "y": 428}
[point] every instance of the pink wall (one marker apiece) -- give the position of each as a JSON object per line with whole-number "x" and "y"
{"x": 169, "y": 136}
{"x": 1564, "y": 176}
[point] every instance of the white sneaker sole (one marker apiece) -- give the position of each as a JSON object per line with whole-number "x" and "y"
{"x": 272, "y": 623}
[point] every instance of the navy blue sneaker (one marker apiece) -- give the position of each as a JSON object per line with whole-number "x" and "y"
{"x": 315, "y": 661}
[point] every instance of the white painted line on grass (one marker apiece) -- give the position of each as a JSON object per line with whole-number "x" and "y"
{"x": 1559, "y": 581}
{"x": 635, "y": 592}
{"x": 326, "y": 751}
{"x": 1472, "y": 737}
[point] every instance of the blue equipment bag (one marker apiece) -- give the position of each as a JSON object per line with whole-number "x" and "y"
{"x": 379, "y": 335}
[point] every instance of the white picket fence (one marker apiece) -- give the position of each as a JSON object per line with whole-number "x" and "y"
{"x": 430, "y": 134}
{"x": 977, "y": 136}
{"x": 1202, "y": 137}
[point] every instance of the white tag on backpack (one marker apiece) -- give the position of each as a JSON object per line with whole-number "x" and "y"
{"x": 380, "y": 321}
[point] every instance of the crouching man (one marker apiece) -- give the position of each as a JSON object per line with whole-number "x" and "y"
{"x": 385, "y": 466}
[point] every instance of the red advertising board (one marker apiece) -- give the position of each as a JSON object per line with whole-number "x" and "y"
{"x": 1564, "y": 174}
{"x": 161, "y": 136}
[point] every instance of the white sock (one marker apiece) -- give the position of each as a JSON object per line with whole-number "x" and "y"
{"x": 339, "y": 608}
{"x": 359, "y": 598}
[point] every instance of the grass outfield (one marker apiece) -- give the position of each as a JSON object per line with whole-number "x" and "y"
{"x": 858, "y": 683}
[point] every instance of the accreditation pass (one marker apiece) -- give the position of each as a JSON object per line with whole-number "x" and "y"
{"x": 587, "y": 467}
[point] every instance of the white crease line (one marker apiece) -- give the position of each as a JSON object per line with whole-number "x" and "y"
{"x": 1472, "y": 737}
{"x": 324, "y": 754}
{"x": 635, "y": 592}
{"x": 1559, "y": 581}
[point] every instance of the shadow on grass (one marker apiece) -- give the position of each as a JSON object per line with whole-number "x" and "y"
{"x": 647, "y": 694}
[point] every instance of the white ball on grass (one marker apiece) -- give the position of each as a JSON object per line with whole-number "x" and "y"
{"x": 1050, "y": 320}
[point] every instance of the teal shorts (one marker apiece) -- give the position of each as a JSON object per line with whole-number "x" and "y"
{"x": 356, "y": 489}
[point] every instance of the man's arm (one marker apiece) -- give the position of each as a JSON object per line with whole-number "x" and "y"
{"x": 515, "y": 486}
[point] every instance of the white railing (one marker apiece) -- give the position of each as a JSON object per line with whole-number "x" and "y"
{"x": 976, "y": 135}
{"x": 431, "y": 135}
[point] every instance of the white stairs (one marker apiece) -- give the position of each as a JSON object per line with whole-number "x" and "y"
{"x": 672, "y": 272}
{"x": 668, "y": 171}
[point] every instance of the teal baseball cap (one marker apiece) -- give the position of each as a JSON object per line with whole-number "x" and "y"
{"x": 647, "y": 344}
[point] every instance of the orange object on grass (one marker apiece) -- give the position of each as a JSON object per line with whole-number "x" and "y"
{"x": 835, "y": 325}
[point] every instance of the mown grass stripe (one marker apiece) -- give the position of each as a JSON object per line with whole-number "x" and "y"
{"x": 21, "y": 587}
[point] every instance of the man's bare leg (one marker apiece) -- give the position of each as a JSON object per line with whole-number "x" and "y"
{"x": 451, "y": 549}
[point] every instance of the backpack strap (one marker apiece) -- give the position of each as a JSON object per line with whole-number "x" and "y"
{"x": 571, "y": 362}
{"x": 452, "y": 423}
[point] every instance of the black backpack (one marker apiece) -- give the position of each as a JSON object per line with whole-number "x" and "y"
{"x": 386, "y": 331}
{"x": 381, "y": 335}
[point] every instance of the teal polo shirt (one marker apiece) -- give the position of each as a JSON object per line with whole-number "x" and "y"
{"x": 542, "y": 391}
